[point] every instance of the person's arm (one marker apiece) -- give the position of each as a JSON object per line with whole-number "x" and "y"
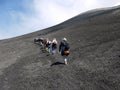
{"x": 60, "y": 47}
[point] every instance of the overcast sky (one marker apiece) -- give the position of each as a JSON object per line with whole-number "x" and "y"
{"x": 19, "y": 17}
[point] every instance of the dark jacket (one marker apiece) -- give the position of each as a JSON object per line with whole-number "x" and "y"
{"x": 64, "y": 45}
{"x": 54, "y": 46}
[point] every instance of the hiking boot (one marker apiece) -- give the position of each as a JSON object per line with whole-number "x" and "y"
{"x": 65, "y": 61}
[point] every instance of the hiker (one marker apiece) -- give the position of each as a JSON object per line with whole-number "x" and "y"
{"x": 54, "y": 46}
{"x": 39, "y": 41}
{"x": 48, "y": 45}
{"x": 36, "y": 40}
{"x": 64, "y": 49}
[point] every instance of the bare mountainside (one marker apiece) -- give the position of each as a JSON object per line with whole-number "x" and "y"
{"x": 94, "y": 61}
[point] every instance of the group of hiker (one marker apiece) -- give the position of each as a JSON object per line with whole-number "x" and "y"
{"x": 51, "y": 46}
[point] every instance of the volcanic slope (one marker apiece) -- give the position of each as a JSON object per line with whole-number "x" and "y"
{"x": 93, "y": 63}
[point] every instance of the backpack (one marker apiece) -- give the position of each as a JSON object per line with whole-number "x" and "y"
{"x": 54, "y": 45}
{"x": 67, "y": 47}
{"x": 66, "y": 52}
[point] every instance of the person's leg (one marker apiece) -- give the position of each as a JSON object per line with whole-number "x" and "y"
{"x": 65, "y": 59}
{"x": 49, "y": 49}
{"x": 54, "y": 51}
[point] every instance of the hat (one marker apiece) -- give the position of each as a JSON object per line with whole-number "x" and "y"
{"x": 64, "y": 39}
{"x": 54, "y": 40}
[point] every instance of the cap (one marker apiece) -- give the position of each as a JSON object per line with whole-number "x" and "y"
{"x": 64, "y": 39}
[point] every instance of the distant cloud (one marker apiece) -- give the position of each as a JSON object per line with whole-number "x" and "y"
{"x": 118, "y": 3}
{"x": 57, "y": 11}
{"x": 33, "y": 15}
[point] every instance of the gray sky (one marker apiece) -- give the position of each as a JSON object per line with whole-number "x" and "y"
{"x": 24, "y": 16}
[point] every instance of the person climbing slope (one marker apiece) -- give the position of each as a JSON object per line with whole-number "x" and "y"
{"x": 48, "y": 44}
{"x": 64, "y": 49}
{"x": 54, "y": 46}
{"x": 46, "y": 41}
